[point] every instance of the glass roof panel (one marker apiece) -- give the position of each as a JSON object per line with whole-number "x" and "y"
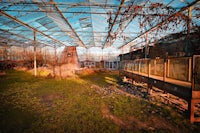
{"x": 102, "y": 23}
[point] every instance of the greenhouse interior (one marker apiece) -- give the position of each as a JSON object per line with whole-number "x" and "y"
{"x": 99, "y": 66}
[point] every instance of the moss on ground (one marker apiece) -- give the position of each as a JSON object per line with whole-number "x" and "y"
{"x": 90, "y": 103}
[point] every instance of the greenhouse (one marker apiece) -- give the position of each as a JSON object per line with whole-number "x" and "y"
{"x": 105, "y": 48}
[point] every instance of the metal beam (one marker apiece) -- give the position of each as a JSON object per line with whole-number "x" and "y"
{"x": 92, "y": 24}
{"x": 125, "y": 23}
{"x": 35, "y": 62}
{"x": 11, "y": 33}
{"x": 26, "y": 25}
{"x": 109, "y": 32}
{"x": 120, "y": 31}
{"x": 78, "y": 12}
{"x": 16, "y": 41}
{"x": 189, "y": 21}
{"x": 63, "y": 17}
{"x": 159, "y": 24}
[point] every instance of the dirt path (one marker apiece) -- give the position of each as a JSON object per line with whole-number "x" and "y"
{"x": 132, "y": 123}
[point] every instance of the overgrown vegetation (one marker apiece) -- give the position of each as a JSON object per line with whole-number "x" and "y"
{"x": 90, "y": 103}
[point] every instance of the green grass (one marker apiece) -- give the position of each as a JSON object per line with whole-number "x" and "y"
{"x": 102, "y": 79}
{"x": 30, "y": 104}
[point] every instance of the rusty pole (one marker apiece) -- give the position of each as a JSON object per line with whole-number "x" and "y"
{"x": 146, "y": 45}
{"x": 35, "y": 62}
{"x": 55, "y": 61}
{"x": 190, "y": 102}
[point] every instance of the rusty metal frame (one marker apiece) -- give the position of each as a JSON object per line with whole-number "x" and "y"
{"x": 16, "y": 41}
{"x": 109, "y": 32}
{"x": 26, "y": 25}
{"x": 11, "y": 33}
{"x": 35, "y": 58}
{"x": 63, "y": 17}
{"x": 159, "y": 24}
{"x": 130, "y": 18}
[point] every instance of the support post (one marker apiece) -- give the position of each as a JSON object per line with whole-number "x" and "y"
{"x": 24, "y": 56}
{"x": 149, "y": 81}
{"x": 102, "y": 55}
{"x": 189, "y": 69}
{"x": 138, "y": 67}
{"x": 189, "y": 52}
{"x": 164, "y": 69}
{"x": 155, "y": 62}
{"x": 189, "y": 21}
{"x": 55, "y": 61}
{"x": 86, "y": 54}
{"x": 149, "y": 68}
{"x": 146, "y": 45}
{"x": 5, "y": 53}
{"x": 190, "y": 102}
{"x": 168, "y": 65}
{"x": 117, "y": 65}
{"x": 45, "y": 56}
{"x": 122, "y": 53}
{"x": 35, "y": 62}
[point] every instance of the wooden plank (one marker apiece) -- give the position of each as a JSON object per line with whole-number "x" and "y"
{"x": 168, "y": 80}
{"x": 183, "y": 92}
{"x": 196, "y": 95}
{"x": 35, "y": 62}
